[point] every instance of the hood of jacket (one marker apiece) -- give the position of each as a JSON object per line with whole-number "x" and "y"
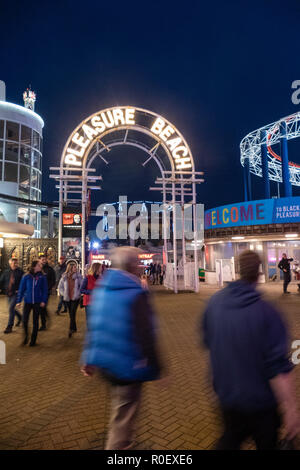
{"x": 240, "y": 294}
{"x": 116, "y": 279}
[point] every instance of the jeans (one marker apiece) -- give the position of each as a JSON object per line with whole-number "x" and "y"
{"x": 35, "y": 320}
{"x": 286, "y": 280}
{"x": 125, "y": 404}
{"x": 12, "y": 301}
{"x": 262, "y": 426}
{"x": 61, "y": 303}
{"x": 72, "y": 307}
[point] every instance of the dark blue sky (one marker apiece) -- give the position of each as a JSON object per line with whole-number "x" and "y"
{"x": 217, "y": 70}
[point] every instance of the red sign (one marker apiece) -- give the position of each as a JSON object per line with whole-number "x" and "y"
{"x": 146, "y": 255}
{"x": 72, "y": 219}
{"x": 98, "y": 257}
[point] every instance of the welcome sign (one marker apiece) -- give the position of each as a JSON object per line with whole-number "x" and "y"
{"x": 265, "y": 211}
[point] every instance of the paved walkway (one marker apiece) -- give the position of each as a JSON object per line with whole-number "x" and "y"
{"x": 46, "y": 403}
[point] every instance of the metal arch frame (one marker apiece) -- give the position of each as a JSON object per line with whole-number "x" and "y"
{"x": 132, "y": 127}
{"x": 173, "y": 182}
{"x": 250, "y": 148}
{"x": 129, "y": 143}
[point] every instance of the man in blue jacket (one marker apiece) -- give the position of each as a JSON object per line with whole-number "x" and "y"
{"x": 251, "y": 371}
{"x": 121, "y": 342}
{"x": 34, "y": 290}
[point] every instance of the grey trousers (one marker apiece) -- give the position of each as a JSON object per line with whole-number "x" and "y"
{"x": 125, "y": 401}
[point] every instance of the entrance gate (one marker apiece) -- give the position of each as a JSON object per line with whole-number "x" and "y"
{"x": 128, "y": 125}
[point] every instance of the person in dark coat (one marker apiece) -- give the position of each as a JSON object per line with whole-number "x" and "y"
{"x": 89, "y": 284}
{"x": 59, "y": 271}
{"x": 34, "y": 290}
{"x": 10, "y": 281}
{"x": 249, "y": 355}
{"x": 50, "y": 275}
{"x": 284, "y": 265}
{"x": 121, "y": 342}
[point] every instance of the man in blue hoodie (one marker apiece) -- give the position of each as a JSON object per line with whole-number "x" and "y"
{"x": 252, "y": 376}
{"x": 121, "y": 342}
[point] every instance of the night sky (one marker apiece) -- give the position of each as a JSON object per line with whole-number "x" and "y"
{"x": 217, "y": 70}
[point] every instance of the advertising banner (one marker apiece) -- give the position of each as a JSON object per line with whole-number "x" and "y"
{"x": 72, "y": 222}
{"x": 265, "y": 211}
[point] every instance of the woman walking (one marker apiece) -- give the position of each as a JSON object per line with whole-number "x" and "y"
{"x": 69, "y": 289}
{"x": 88, "y": 285}
{"x": 34, "y": 290}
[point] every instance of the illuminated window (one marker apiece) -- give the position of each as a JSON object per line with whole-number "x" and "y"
{"x": 11, "y": 172}
{"x": 25, "y": 154}
{"x": 12, "y": 131}
{"x": 25, "y": 135}
{"x": 11, "y": 152}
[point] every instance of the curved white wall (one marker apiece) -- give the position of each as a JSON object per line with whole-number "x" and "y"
{"x": 16, "y": 113}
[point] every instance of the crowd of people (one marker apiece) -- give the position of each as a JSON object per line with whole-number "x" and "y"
{"x": 246, "y": 337}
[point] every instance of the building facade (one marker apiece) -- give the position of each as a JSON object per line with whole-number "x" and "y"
{"x": 270, "y": 227}
{"x": 21, "y": 141}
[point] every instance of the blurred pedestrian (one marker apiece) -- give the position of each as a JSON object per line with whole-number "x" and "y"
{"x": 121, "y": 342}
{"x": 297, "y": 274}
{"x": 10, "y": 281}
{"x": 144, "y": 281}
{"x": 153, "y": 272}
{"x": 88, "y": 285}
{"x": 252, "y": 377}
{"x": 158, "y": 273}
{"x": 69, "y": 288}
{"x": 34, "y": 290}
{"x": 59, "y": 270}
{"x": 50, "y": 276}
{"x": 162, "y": 274}
{"x": 284, "y": 265}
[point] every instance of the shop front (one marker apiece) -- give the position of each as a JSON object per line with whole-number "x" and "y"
{"x": 270, "y": 227}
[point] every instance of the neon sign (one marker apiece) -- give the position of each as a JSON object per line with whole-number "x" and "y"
{"x": 98, "y": 125}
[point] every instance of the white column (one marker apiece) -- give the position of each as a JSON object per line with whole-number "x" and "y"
{"x": 165, "y": 220}
{"x": 195, "y": 238}
{"x": 183, "y": 234}
{"x": 174, "y": 237}
{"x": 60, "y": 220}
{"x": 83, "y": 218}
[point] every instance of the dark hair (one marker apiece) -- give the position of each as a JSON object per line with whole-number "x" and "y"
{"x": 249, "y": 262}
{"x": 32, "y": 266}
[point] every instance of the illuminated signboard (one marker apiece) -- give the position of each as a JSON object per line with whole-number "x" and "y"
{"x": 146, "y": 255}
{"x": 265, "y": 211}
{"x": 98, "y": 125}
{"x": 98, "y": 257}
{"x": 72, "y": 220}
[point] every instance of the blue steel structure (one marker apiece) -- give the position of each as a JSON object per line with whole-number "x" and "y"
{"x": 259, "y": 158}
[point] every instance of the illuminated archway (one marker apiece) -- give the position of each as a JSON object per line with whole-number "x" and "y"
{"x": 127, "y": 125}
{"x": 121, "y": 121}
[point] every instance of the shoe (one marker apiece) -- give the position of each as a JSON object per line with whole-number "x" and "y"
{"x": 32, "y": 344}
{"x": 8, "y": 330}
{"x": 25, "y": 341}
{"x": 57, "y": 313}
{"x": 64, "y": 311}
{"x": 42, "y": 328}
{"x": 127, "y": 446}
{"x": 70, "y": 333}
{"x": 19, "y": 323}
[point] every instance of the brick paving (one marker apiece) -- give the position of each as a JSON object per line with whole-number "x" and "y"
{"x": 46, "y": 403}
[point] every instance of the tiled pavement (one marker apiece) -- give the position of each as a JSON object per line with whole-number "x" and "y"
{"x": 46, "y": 403}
